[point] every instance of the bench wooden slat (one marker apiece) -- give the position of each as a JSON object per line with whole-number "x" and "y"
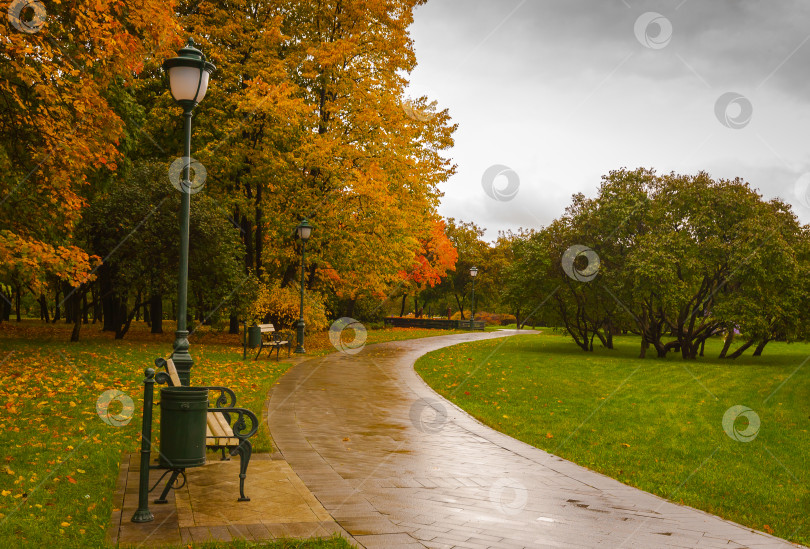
{"x": 230, "y": 440}
{"x": 173, "y": 373}
{"x": 221, "y": 430}
{"x": 216, "y": 429}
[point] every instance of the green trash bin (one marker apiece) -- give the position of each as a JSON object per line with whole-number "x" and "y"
{"x": 183, "y": 415}
{"x": 254, "y": 337}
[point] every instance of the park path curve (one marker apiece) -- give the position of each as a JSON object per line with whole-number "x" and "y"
{"x": 398, "y": 466}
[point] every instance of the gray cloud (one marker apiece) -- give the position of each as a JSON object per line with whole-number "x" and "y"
{"x": 563, "y": 91}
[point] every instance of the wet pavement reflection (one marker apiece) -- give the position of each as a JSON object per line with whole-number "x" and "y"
{"x": 396, "y": 465}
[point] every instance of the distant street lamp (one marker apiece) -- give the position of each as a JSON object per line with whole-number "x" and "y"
{"x": 304, "y": 230}
{"x": 473, "y": 274}
{"x": 188, "y": 79}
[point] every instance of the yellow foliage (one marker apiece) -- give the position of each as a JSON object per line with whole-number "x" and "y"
{"x": 283, "y": 306}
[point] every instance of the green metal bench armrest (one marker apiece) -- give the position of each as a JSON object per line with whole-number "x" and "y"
{"x": 240, "y": 424}
{"x": 222, "y": 399}
{"x": 162, "y": 378}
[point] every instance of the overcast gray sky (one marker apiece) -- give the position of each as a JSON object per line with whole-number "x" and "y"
{"x": 561, "y": 92}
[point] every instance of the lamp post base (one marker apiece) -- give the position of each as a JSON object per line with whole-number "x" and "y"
{"x": 143, "y": 515}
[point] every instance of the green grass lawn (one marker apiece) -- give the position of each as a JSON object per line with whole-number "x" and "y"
{"x": 654, "y": 424}
{"x": 60, "y": 460}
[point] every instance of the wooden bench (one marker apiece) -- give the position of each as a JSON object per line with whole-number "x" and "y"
{"x": 221, "y": 432}
{"x": 273, "y": 340}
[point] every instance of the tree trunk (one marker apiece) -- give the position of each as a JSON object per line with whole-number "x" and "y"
{"x": 760, "y": 347}
{"x": 644, "y": 346}
{"x": 727, "y": 343}
{"x": 460, "y": 307}
{"x": 138, "y": 309}
{"x": 156, "y": 313}
{"x": 347, "y": 307}
{"x": 97, "y": 305}
{"x": 70, "y": 294}
{"x": 109, "y": 300}
{"x": 147, "y": 315}
{"x": 233, "y": 327}
{"x": 248, "y": 240}
{"x": 126, "y": 320}
{"x": 259, "y": 224}
{"x": 602, "y": 339}
{"x": 402, "y": 309}
{"x": 742, "y": 349}
{"x": 689, "y": 350}
{"x": 17, "y": 303}
{"x": 43, "y": 308}
{"x": 57, "y": 314}
{"x": 74, "y": 303}
{"x": 5, "y": 303}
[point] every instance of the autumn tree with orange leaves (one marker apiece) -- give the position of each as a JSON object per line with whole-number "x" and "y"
{"x": 58, "y": 124}
{"x": 436, "y": 257}
{"x": 308, "y": 117}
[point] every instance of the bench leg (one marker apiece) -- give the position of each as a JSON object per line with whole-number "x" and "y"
{"x": 225, "y": 457}
{"x": 245, "y": 449}
{"x": 162, "y": 498}
{"x": 260, "y": 352}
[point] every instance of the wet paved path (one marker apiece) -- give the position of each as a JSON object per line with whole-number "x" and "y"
{"x": 397, "y": 466}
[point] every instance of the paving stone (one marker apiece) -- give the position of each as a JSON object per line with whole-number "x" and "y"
{"x": 206, "y": 508}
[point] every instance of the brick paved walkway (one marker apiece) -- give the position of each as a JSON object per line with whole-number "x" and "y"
{"x": 397, "y": 466}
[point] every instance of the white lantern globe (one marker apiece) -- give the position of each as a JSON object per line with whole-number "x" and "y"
{"x": 189, "y": 73}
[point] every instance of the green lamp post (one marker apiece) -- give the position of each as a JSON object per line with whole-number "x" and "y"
{"x": 304, "y": 231}
{"x": 473, "y": 274}
{"x": 188, "y": 78}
